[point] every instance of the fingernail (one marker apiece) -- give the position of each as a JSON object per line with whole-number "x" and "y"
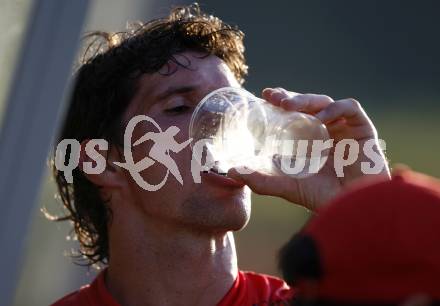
{"x": 284, "y": 101}
{"x": 244, "y": 170}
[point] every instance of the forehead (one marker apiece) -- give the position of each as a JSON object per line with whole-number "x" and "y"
{"x": 199, "y": 71}
{"x": 191, "y": 66}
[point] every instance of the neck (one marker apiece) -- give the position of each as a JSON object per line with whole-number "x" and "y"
{"x": 162, "y": 265}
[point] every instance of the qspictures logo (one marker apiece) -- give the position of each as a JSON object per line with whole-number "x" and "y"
{"x": 345, "y": 153}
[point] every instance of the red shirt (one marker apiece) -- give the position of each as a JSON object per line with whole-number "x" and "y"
{"x": 248, "y": 289}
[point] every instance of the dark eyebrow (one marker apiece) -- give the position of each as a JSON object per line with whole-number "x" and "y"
{"x": 176, "y": 90}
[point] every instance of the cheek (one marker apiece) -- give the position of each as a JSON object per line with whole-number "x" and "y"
{"x": 183, "y": 157}
{"x": 180, "y": 121}
{"x": 156, "y": 173}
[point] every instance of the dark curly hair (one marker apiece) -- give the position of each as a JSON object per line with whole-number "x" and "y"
{"x": 105, "y": 83}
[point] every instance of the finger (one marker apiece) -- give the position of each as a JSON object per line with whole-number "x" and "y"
{"x": 275, "y": 95}
{"x": 349, "y": 109}
{"x": 308, "y": 103}
{"x": 266, "y": 93}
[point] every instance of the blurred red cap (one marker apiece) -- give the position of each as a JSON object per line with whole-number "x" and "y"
{"x": 380, "y": 241}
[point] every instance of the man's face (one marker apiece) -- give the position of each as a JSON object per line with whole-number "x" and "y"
{"x": 217, "y": 203}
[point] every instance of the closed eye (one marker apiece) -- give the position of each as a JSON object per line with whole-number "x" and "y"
{"x": 178, "y": 109}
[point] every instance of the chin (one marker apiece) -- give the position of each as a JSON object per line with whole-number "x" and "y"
{"x": 219, "y": 214}
{"x": 237, "y": 215}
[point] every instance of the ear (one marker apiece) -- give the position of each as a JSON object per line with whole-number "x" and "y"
{"x": 96, "y": 162}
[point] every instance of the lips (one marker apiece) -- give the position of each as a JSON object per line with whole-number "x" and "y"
{"x": 217, "y": 176}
